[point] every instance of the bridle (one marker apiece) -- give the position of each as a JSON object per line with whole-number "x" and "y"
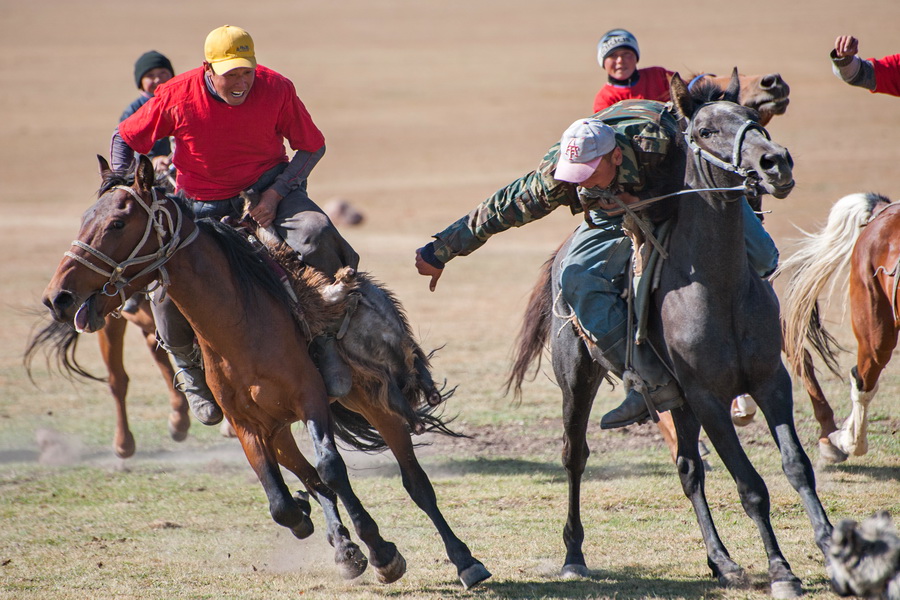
{"x": 749, "y": 186}
{"x": 751, "y": 177}
{"x": 160, "y": 221}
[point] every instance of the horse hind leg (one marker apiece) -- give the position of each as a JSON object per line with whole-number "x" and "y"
{"x": 417, "y": 484}
{"x": 348, "y": 557}
{"x": 692, "y": 473}
{"x": 852, "y": 438}
{"x": 875, "y": 345}
{"x": 823, "y": 412}
{"x": 389, "y": 564}
{"x": 579, "y": 377}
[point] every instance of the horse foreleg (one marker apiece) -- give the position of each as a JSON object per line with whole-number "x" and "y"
{"x": 579, "y": 378}
{"x": 179, "y": 418}
{"x": 112, "y": 341}
{"x": 778, "y": 408}
{"x": 716, "y": 421}
{"x": 349, "y": 558}
{"x": 692, "y": 472}
{"x": 285, "y": 509}
{"x": 389, "y": 564}
{"x": 393, "y": 430}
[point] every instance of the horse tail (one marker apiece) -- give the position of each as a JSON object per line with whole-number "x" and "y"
{"x": 58, "y": 342}
{"x": 818, "y": 258}
{"x": 355, "y": 431}
{"x": 532, "y": 338}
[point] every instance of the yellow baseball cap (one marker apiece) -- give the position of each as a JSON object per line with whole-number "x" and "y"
{"x": 228, "y": 48}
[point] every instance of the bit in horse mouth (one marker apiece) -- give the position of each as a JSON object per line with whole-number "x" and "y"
{"x": 88, "y": 319}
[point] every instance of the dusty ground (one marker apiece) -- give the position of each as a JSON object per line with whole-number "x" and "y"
{"x": 427, "y": 108}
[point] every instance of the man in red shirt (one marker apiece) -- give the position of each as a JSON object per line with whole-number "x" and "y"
{"x": 618, "y": 54}
{"x": 230, "y": 118}
{"x": 878, "y": 75}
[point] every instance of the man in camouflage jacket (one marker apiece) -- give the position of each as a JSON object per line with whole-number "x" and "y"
{"x": 593, "y": 163}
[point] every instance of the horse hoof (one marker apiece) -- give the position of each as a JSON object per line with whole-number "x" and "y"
{"x": 393, "y": 571}
{"x": 178, "y": 432}
{"x": 783, "y": 590}
{"x": 831, "y": 453}
{"x": 351, "y": 561}
{"x": 473, "y": 575}
{"x": 734, "y": 580}
{"x": 574, "y": 572}
{"x": 304, "y": 529}
{"x": 125, "y": 448}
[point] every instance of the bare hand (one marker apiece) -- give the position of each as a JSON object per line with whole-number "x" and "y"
{"x": 161, "y": 164}
{"x": 846, "y": 45}
{"x": 428, "y": 270}
{"x": 624, "y": 197}
{"x": 264, "y": 211}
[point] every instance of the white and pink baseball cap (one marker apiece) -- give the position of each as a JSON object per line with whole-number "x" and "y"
{"x": 582, "y": 146}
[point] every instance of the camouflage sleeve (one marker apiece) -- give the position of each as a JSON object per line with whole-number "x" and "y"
{"x": 527, "y": 199}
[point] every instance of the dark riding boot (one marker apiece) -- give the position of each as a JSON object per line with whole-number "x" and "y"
{"x": 334, "y": 370}
{"x": 191, "y": 381}
{"x": 132, "y": 305}
{"x": 664, "y": 391}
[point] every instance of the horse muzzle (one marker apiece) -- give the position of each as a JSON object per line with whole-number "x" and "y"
{"x": 65, "y": 307}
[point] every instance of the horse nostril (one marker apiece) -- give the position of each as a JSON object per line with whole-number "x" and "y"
{"x": 61, "y": 301}
{"x": 767, "y": 163}
{"x": 770, "y": 81}
{"x": 789, "y": 159}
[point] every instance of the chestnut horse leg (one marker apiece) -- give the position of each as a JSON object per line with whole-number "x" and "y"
{"x": 112, "y": 341}
{"x": 179, "y": 418}
{"x": 822, "y": 410}
{"x": 876, "y": 337}
{"x": 349, "y": 558}
{"x": 285, "y": 510}
{"x": 394, "y": 431}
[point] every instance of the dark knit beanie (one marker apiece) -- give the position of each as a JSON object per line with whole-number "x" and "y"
{"x": 150, "y": 60}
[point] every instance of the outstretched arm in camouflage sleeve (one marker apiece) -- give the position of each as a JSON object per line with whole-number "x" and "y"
{"x": 527, "y": 199}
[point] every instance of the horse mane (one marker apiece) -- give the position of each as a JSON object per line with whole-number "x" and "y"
{"x": 705, "y": 91}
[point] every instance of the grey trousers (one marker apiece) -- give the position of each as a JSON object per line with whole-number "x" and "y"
{"x": 298, "y": 220}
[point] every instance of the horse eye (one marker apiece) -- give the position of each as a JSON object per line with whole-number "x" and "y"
{"x": 117, "y": 224}
{"x": 706, "y": 133}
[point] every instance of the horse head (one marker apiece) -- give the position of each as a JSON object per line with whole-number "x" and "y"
{"x": 727, "y": 141}
{"x": 124, "y": 240}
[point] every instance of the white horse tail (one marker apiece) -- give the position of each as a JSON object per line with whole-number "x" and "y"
{"x": 820, "y": 256}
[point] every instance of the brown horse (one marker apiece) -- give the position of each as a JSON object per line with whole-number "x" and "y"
{"x": 61, "y": 340}
{"x": 861, "y": 240}
{"x": 253, "y": 334}
{"x": 766, "y": 94}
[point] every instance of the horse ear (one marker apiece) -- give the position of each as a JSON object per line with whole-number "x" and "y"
{"x": 105, "y": 171}
{"x": 681, "y": 97}
{"x": 733, "y": 92}
{"x": 144, "y": 175}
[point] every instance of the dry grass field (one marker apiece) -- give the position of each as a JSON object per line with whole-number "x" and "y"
{"x": 427, "y": 107}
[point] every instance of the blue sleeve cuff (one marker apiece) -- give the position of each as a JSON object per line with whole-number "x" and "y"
{"x": 427, "y": 254}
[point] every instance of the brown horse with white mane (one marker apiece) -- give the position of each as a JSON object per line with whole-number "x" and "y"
{"x": 253, "y": 333}
{"x": 861, "y": 240}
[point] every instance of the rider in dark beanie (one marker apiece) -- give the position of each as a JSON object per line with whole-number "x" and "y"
{"x": 149, "y": 61}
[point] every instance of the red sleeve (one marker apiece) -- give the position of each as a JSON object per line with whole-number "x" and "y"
{"x": 149, "y": 123}
{"x": 887, "y": 75}
{"x": 296, "y": 125}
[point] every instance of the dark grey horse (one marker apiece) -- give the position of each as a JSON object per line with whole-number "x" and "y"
{"x": 715, "y": 323}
